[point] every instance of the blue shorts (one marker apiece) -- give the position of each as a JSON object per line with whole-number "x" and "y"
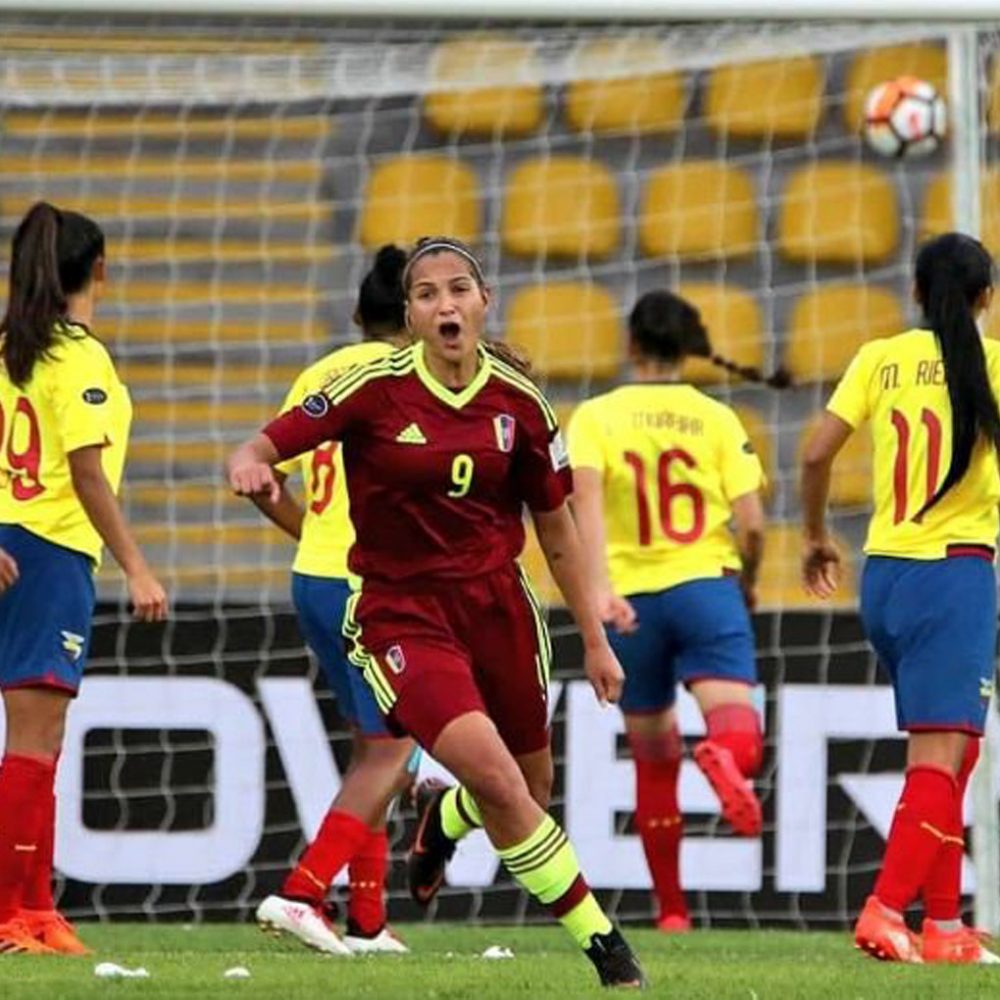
{"x": 46, "y": 617}
{"x": 695, "y": 631}
{"x": 320, "y": 603}
{"x": 933, "y": 624}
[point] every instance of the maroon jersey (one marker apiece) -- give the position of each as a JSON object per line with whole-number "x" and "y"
{"x": 437, "y": 479}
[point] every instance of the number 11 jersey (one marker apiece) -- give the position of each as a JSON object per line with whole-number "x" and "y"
{"x": 897, "y": 385}
{"x": 671, "y": 460}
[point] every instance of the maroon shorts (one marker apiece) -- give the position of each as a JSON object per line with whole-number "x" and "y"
{"x": 433, "y": 653}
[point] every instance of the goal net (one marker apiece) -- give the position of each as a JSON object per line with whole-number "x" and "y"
{"x": 244, "y": 173}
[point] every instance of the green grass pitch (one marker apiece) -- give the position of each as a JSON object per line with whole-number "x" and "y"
{"x": 714, "y": 965}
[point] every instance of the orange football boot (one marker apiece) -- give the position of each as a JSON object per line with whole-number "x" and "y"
{"x": 16, "y": 939}
{"x": 963, "y": 946}
{"x": 54, "y": 931}
{"x": 740, "y": 805}
{"x": 884, "y": 936}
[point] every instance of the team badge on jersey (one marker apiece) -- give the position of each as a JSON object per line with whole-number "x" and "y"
{"x": 557, "y": 453}
{"x": 316, "y": 404}
{"x": 395, "y": 659}
{"x": 504, "y": 426}
{"x": 95, "y": 396}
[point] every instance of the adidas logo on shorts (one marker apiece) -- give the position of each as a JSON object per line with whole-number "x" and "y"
{"x": 411, "y": 435}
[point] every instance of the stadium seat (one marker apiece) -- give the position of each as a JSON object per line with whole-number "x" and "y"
{"x": 205, "y": 380}
{"x": 733, "y": 321}
{"x": 851, "y": 482}
{"x": 781, "y": 98}
{"x": 838, "y": 213}
{"x": 760, "y": 437}
{"x": 874, "y": 66}
{"x": 564, "y": 206}
{"x": 227, "y": 251}
{"x": 828, "y": 325}
{"x": 512, "y": 105}
{"x": 413, "y": 196}
{"x": 937, "y": 214}
{"x": 166, "y": 413}
{"x": 780, "y": 584}
{"x": 609, "y": 102}
{"x": 993, "y": 98}
{"x": 570, "y": 329}
{"x": 700, "y": 208}
{"x": 158, "y": 329}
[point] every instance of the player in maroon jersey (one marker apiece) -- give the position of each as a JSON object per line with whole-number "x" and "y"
{"x": 454, "y": 442}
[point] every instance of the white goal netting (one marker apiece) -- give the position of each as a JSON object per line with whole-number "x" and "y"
{"x": 244, "y": 172}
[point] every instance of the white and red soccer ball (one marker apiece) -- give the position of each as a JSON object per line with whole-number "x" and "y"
{"x": 905, "y": 117}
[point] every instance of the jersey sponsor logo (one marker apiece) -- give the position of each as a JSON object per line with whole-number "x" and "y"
{"x": 557, "y": 453}
{"x": 95, "y": 396}
{"x": 503, "y": 427}
{"x": 72, "y": 643}
{"x": 316, "y": 404}
{"x": 748, "y": 447}
{"x": 395, "y": 660}
{"x": 411, "y": 434}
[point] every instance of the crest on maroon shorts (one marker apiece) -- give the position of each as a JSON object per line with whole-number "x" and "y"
{"x": 394, "y": 657}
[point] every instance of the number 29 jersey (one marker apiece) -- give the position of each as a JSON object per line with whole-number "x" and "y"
{"x": 437, "y": 479}
{"x": 897, "y": 384}
{"x": 672, "y": 460}
{"x": 73, "y": 399}
{"x": 327, "y": 533}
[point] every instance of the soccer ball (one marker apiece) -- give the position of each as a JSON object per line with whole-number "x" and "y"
{"x": 905, "y": 117}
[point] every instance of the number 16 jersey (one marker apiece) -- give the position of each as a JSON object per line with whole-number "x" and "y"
{"x": 672, "y": 460}
{"x": 897, "y": 384}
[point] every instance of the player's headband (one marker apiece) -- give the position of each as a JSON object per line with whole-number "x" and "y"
{"x": 442, "y": 246}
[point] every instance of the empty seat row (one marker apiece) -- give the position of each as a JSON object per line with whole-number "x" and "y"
{"x": 770, "y": 98}
{"x": 566, "y": 206}
{"x": 574, "y": 329}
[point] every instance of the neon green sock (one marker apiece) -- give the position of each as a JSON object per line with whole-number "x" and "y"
{"x": 459, "y": 813}
{"x": 545, "y": 864}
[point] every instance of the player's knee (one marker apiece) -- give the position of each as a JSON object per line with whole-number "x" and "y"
{"x": 737, "y": 728}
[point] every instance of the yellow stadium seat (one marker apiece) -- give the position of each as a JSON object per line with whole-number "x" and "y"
{"x": 701, "y": 208}
{"x": 838, "y": 213}
{"x": 993, "y": 99}
{"x": 870, "y": 68}
{"x": 609, "y": 102}
{"x": 760, "y": 437}
{"x": 851, "y": 482}
{"x": 565, "y": 206}
{"x": 733, "y": 321}
{"x": 780, "y": 97}
{"x": 507, "y": 107}
{"x": 780, "y": 583}
{"x": 569, "y": 329}
{"x": 827, "y": 326}
{"x": 937, "y": 213}
{"x": 413, "y": 196}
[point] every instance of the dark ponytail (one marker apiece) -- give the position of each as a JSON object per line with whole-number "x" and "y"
{"x": 952, "y": 272}
{"x": 381, "y": 308}
{"x": 665, "y": 327}
{"x": 52, "y": 257}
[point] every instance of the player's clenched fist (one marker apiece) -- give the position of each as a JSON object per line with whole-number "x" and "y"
{"x": 8, "y": 571}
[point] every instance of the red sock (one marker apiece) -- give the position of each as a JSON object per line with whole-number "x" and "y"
{"x": 658, "y": 816}
{"x": 366, "y": 906}
{"x": 38, "y": 886}
{"x": 924, "y": 815}
{"x": 942, "y": 891}
{"x": 737, "y": 728}
{"x": 25, "y": 789}
{"x": 339, "y": 839}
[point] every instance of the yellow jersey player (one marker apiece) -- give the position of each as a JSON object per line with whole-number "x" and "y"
{"x": 64, "y": 424}
{"x": 353, "y": 832}
{"x": 660, "y": 469}
{"x": 928, "y": 592}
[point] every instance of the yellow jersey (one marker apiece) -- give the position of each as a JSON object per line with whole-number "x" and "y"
{"x": 898, "y": 385}
{"x": 327, "y": 532}
{"x": 672, "y": 461}
{"x": 73, "y": 399}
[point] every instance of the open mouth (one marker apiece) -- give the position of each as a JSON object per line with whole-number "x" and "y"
{"x": 450, "y": 331}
